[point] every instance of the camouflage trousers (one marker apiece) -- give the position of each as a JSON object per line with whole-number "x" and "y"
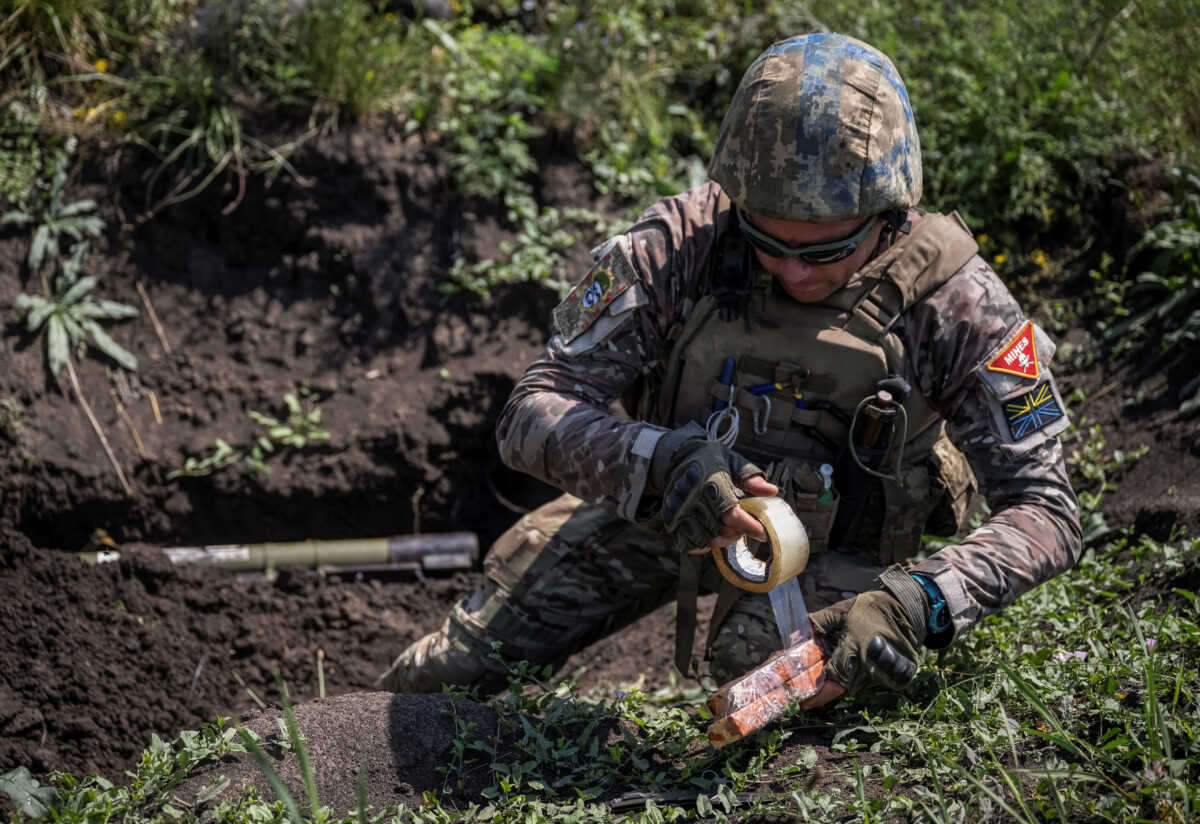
{"x": 570, "y": 573}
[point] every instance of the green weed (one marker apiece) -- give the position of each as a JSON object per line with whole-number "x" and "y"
{"x": 22, "y": 160}
{"x": 72, "y": 317}
{"x": 297, "y": 430}
{"x": 300, "y": 427}
{"x": 222, "y": 456}
{"x": 51, "y": 218}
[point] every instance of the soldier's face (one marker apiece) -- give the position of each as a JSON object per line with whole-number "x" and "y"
{"x": 807, "y": 282}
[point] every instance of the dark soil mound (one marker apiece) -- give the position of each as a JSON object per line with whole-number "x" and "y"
{"x": 398, "y": 741}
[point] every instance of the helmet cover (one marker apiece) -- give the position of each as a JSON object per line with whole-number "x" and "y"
{"x": 820, "y": 129}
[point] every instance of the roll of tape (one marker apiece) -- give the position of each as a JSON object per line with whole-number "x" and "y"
{"x": 786, "y": 548}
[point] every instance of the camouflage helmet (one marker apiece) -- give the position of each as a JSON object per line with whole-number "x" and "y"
{"x": 820, "y": 129}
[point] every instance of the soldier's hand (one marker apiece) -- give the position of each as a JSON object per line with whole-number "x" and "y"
{"x": 874, "y": 637}
{"x": 737, "y": 522}
{"x": 700, "y": 480}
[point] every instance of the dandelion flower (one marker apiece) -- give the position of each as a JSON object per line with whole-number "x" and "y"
{"x": 118, "y": 117}
{"x": 999, "y": 259}
{"x": 101, "y": 65}
{"x": 982, "y": 239}
{"x": 1039, "y": 257}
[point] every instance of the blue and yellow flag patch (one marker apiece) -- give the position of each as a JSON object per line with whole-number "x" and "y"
{"x": 1032, "y": 411}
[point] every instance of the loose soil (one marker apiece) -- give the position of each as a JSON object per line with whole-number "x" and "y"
{"x": 327, "y": 283}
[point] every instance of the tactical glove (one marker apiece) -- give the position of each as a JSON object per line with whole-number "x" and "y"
{"x": 699, "y": 480}
{"x": 875, "y": 635}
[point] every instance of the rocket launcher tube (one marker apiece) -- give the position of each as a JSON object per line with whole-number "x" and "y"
{"x": 451, "y": 550}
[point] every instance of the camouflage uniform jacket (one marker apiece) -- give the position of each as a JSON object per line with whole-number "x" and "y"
{"x": 565, "y": 422}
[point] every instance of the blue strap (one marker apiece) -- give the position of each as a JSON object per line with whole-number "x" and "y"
{"x": 939, "y": 613}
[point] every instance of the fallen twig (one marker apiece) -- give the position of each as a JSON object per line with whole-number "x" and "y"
{"x": 416, "y": 508}
{"x": 249, "y": 691}
{"x": 196, "y": 675}
{"x": 158, "y": 327}
{"x": 96, "y": 426}
{"x": 137, "y": 439}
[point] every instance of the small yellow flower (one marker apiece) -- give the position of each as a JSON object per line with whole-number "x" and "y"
{"x": 117, "y": 117}
{"x": 982, "y": 239}
{"x": 91, "y": 112}
{"x": 1039, "y": 257}
{"x": 102, "y": 65}
{"x": 999, "y": 259}
{"x": 78, "y": 112}
{"x": 390, "y": 16}
{"x": 370, "y": 75}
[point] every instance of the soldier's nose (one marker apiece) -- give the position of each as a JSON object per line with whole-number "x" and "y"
{"x": 795, "y": 270}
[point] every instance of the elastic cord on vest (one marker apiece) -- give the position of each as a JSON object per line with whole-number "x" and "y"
{"x": 723, "y": 425}
{"x": 903, "y": 432}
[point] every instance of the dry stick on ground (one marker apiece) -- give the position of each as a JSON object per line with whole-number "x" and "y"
{"x": 154, "y": 406}
{"x": 249, "y": 691}
{"x": 416, "y": 509}
{"x": 158, "y": 327}
{"x": 96, "y": 426}
{"x": 141, "y": 447}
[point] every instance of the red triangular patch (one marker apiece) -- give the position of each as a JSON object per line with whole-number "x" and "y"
{"x": 1020, "y": 356}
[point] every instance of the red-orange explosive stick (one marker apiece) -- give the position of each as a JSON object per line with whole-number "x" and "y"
{"x": 760, "y": 696}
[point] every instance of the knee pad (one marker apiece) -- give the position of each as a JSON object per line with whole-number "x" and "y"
{"x": 745, "y": 639}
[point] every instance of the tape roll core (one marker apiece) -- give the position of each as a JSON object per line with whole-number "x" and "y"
{"x": 787, "y": 541}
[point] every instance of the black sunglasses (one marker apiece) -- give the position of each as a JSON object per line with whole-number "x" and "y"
{"x": 816, "y": 254}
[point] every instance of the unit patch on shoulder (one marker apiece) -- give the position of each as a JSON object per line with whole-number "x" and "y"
{"x": 610, "y": 277}
{"x": 1035, "y": 410}
{"x": 1019, "y": 356}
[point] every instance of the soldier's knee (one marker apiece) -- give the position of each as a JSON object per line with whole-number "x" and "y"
{"x": 747, "y": 637}
{"x": 444, "y": 657}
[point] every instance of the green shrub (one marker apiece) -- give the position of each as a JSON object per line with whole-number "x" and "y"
{"x": 353, "y": 58}
{"x": 1161, "y": 303}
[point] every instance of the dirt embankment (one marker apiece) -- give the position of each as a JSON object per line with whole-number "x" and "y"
{"x": 330, "y": 284}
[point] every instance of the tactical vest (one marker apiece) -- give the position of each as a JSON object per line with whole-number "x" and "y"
{"x": 800, "y": 370}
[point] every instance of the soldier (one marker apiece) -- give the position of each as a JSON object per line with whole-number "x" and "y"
{"x": 795, "y": 315}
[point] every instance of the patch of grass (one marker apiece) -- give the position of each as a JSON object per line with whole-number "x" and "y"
{"x": 1091, "y": 468}
{"x": 1080, "y": 702}
{"x": 1162, "y": 302}
{"x": 144, "y": 795}
{"x": 355, "y": 56}
{"x": 536, "y": 255}
{"x": 486, "y": 85}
